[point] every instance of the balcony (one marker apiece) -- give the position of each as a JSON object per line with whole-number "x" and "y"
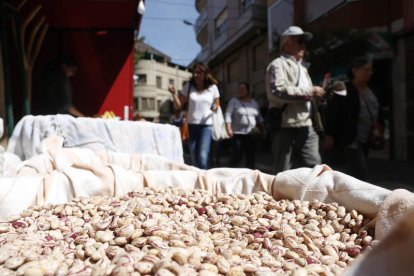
{"x": 251, "y": 21}
{"x": 200, "y": 5}
{"x": 255, "y": 15}
{"x": 201, "y": 21}
{"x": 202, "y": 37}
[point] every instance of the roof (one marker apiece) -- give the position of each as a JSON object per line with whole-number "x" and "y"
{"x": 142, "y": 47}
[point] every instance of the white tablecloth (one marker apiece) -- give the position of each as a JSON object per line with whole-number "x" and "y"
{"x": 96, "y": 134}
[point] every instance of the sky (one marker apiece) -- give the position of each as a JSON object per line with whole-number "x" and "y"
{"x": 163, "y": 28}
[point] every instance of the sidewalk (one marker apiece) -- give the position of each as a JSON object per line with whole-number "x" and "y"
{"x": 389, "y": 174}
{"x": 392, "y": 174}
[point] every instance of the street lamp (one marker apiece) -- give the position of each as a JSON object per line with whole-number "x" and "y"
{"x": 186, "y": 22}
{"x": 141, "y": 7}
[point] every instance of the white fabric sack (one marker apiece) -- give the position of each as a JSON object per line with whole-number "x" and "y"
{"x": 60, "y": 174}
{"x": 92, "y": 173}
{"x": 218, "y": 131}
{"x": 393, "y": 255}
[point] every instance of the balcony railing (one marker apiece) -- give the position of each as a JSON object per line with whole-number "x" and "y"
{"x": 201, "y": 21}
{"x": 200, "y": 5}
{"x": 253, "y": 13}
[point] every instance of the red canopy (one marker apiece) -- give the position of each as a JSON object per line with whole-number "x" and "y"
{"x": 99, "y": 34}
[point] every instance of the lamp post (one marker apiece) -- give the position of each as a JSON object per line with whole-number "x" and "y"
{"x": 186, "y": 22}
{"x": 189, "y": 23}
{"x": 141, "y": 7}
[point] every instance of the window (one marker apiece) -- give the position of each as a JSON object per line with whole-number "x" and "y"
{"x": 136, "y": 103}
{"x": 135, "y": 79}
{"x": 280, "y": 16}
{"x": 142, "y": 78}
{"x": 221, "y": 23}
{"x": 147, "y": 104}
{"x": 245, "y": 4}
{"x": 159, "y": 82}
{"x": 171, "y": 82}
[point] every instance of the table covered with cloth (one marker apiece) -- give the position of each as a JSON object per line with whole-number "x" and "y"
{"x": 96, "y": 134}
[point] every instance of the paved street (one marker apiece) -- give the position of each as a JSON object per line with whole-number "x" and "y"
{"x": 384, "y": 173}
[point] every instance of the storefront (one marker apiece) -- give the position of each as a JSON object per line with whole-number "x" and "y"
{"x": 99, "y": 34}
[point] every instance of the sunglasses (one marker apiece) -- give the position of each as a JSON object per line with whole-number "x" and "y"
{"x": 301, "y": 40}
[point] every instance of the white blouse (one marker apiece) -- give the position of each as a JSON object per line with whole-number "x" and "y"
{"x": 200, "y": 104}
{"x": 243, "y": 116}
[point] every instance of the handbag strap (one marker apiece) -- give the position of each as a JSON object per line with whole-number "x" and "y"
{"x": 247, "y": 113}
{"x": 316, "y": 116}
{"x": 371, "y": 116}
{"x": 188, "y": 97}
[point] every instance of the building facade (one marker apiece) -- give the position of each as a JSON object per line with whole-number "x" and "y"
{"x": 240, "y": 37}
{"x": 154, "y": 72}
{"x": 233, "y": 38}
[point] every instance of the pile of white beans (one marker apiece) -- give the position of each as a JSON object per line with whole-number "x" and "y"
{"x": 177, "y": 232}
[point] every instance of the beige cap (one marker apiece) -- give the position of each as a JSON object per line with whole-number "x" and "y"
{"x": 295, "y": 30}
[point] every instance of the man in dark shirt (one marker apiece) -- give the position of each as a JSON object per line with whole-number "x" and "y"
{"x": 56, "y": 89}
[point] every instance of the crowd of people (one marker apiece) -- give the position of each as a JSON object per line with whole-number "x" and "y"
{"x": 352, "y": 122}
{"x": 352, "y": 118}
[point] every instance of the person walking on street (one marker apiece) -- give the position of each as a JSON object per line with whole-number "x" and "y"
{"x": 349, "y": 121}
{"x": 289, "y": 88}
{"x": 201, "y": 95}
{"x": 242, "y": 116}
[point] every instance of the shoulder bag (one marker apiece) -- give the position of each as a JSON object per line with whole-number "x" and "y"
{"x": 255, "y": 132}
{"x": 376, "y": 140}
{"x": 218, "y": 131}
{"x": 184, "y": 132}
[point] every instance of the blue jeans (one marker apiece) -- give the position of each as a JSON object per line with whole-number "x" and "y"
{"x": 294, "y": 148}
{"x": 199, "y": 145}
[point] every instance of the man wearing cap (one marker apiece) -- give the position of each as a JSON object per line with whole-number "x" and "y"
{"x": 290, "y": 90}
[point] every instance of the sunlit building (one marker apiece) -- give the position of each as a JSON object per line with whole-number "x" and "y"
{"x": 154, "y": 71}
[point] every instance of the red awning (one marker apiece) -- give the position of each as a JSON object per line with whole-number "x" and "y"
{"x": 91, "y": 13}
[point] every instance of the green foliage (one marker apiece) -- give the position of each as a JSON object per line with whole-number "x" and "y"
{"x": 338, "y": 44}
{"x": 137, "y": 54}
{"x": 333, "y": 50}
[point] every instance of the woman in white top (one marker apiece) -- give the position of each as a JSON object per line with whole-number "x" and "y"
{"x": 242, "y": 115}
{"x": 200, "y": 96}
